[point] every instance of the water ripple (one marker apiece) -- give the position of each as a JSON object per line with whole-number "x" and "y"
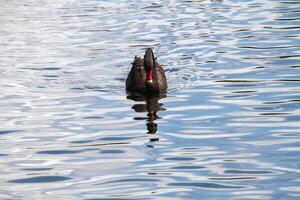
{"x": 40, "y": 179}
{"x": 227, "y": 129}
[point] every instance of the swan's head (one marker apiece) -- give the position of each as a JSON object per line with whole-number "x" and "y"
{"x": 149, "y": 64}
{"x": 149, "y": 60}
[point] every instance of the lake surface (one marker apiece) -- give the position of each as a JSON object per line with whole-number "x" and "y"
{"x": 229, "y": 127}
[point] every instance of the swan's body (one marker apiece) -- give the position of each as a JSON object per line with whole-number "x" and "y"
{"x": 146, "y": 76}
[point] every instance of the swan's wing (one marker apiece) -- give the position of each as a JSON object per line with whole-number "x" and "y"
{"x": 136, "y": 77}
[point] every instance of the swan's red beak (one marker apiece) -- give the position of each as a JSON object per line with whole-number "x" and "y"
{"x": 149, "y": 77}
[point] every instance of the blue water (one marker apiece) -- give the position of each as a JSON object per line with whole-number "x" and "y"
{"x": 227, "y": 129}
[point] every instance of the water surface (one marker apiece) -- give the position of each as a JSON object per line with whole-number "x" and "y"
{"x": 228, "y": 128}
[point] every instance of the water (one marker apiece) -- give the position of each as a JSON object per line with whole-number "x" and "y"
{"x": 228, "y": 128}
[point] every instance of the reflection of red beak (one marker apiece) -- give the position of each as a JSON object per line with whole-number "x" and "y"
{"x": 149, "y": 77}
{"x": 151, "y": 114}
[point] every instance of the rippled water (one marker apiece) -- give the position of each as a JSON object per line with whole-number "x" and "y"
{"x": 228, "y": 128}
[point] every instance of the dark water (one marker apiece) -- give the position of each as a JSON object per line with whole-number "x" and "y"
{"x": 229, "y": 127}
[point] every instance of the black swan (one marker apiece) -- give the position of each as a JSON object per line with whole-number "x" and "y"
{"x": 146, "y": 76}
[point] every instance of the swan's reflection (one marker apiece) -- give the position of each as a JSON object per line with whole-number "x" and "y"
{"x": 151, "y": 105}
